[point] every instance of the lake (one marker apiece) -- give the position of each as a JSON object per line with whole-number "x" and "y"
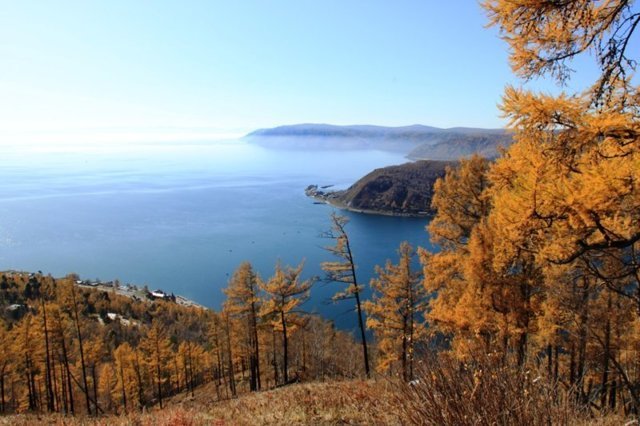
{"x": 182, "y": 216}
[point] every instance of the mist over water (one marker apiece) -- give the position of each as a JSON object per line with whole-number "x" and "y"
{"x": 182, "y": 216}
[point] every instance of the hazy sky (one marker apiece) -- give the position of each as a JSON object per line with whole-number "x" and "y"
{"x": 125, "y": 68}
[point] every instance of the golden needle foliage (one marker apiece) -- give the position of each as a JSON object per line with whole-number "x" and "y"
{"x": 539, "y": 260}
{"x": 395, "y": 313}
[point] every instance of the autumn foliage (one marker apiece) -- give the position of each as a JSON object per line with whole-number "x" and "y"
{"x": 539, "y": 250}
{"x": 79, "y": 350}
{"x": 528, "y": 312}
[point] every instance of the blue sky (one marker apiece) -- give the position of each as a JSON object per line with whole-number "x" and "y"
{"x": 121, "y": 69}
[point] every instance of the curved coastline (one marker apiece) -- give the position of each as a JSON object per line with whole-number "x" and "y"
{"x": 331, "y": 199}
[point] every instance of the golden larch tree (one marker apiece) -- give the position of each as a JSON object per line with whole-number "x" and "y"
{"x": 157, "y": 351}
{"x": 243, "y": 302}
{"x": 285, "y": 292}
{"x": 395, "y": 312}
{"x": 343, "y": 271}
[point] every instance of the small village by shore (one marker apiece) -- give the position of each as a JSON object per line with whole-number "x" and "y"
{"x": 137, "y": 293}
{"x": 128, "y": 290}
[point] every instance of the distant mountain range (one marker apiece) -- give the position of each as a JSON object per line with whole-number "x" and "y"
{"x": 416, "y": 141}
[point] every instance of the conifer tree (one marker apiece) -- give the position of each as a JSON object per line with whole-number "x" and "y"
{"x": 62, "y": 339}
{"x": 566, "y": 191}
{"x": 214, "y": 337}
{"x": 107, "y": 386}
{"x": 343, "y": 271}
{"x": 25, "y": 344}
{"x": 226, "y": 327}
{"x": 70, "y": 305}
{"x": 45, "y": 293}
{"x": 157, "y": 350}
{"x": 94, "y": 356}
{"x": 461, "y": 203}
{"x": 243, "y": 302}
{"x": 125, "y": 387}
{"x": 395, "y": 310}
{"x": 285, "y": 293}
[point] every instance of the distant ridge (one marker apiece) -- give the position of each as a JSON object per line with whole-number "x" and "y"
{"x": 415, "y": 141}
{"x": 310, "y": 129}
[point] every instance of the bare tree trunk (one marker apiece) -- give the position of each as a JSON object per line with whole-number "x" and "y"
{"x": 612, "y": 395}
{"x": 572, "y": 365}
{"x": 285, "y": 346}
{"x": 190, "y": 368}
{"x": 158, "y": 372}
{"x": 346, "y": 254}
{"x": 48, "y": 383}
{"x": 582, "y": 342}
{"x": 256, "y": 347}
{"x": 304, "y": 351}
{"x": 54, "y": 376}
{"x": 124, "y": 392}
{"x": 363, "y": 335}
{"x": 556, "y": 365}
{"x": 95, "y": 388}
{"x": 80, "y": 346}
{"x": 232, "y": 380}
{"x": 274, "y": 359}
{"x": 137, "y": 368}
{"x": 524, "y": 335}
{"x": 65, "y": 358}
{"x": 411, "y": 345}
{"x": 606, "y": 356}
{"x": 404, "y": 355}
{"x": 64, "y": 388}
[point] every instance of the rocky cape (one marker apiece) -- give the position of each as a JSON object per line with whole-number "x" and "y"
{"x": 417, "y": 142}
{"x": 404, "y": 190}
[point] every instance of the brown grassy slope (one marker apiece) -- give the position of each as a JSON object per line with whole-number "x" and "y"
{"x": 348, "y": 402}
{"x": 373, "y": 402}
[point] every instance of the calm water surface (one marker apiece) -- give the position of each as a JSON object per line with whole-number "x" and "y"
{"x": 182, "y": 216}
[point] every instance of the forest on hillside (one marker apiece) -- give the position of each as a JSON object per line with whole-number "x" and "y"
{"x": 529, "y": 310}
{"x": 79, "y": 350}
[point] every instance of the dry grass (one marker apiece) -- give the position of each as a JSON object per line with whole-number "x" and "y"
{"x": 447, "y": 393}
{"x": 484, "y": 392}
{"x": 349, "y": 402}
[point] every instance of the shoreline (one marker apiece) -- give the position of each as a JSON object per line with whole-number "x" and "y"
{"x": 134, "y": 292}
{"x": 326, "y": 199}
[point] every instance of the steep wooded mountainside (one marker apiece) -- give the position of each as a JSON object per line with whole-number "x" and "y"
{"x": 398, "y": 190}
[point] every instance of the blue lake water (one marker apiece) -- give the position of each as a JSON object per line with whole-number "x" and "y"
{"x": 182, "y": 216}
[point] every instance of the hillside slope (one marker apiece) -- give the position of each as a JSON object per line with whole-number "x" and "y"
{"x": 443, "y": 397}
{"x": 454, "y": 146}
{"x": 396, "y": 190}
{"x": 320, "y": 403}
